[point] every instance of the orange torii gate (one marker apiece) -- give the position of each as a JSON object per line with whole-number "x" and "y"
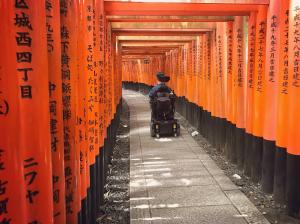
{"x": 61, "y": 72}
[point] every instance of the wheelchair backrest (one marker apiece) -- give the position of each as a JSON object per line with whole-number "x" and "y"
{"x": 163, "y": 102}
{"x": 163, "y": 94}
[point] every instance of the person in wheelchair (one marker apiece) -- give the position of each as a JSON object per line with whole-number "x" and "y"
{"x": 162, "y": 100}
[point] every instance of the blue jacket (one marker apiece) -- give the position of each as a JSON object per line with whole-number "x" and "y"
{"x": 157, "y": 88}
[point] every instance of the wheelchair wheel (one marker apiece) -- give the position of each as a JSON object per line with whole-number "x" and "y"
{"x": 152, "y": 130}
{"x": 176, "y": 132}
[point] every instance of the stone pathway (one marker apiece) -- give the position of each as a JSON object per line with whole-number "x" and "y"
{"x": 172, "y": 180}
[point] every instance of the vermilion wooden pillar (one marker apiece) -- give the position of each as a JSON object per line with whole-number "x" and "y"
{"x": 282, "y": 109}
{"x": 240, "y": 75}
{"x": 11, "y": 151}
{"x": 69, "y": 68}
{"x": 259, "y": 88}
{"x": 271, "y": 89}
{"x": 32, "y": 68}
{"x": 55, "y": 108}
{"x": 229, "y": 32}
{"x": 293, "y": 149}
{"x": 81, "y": 119}
{"x": 250, "y": 92}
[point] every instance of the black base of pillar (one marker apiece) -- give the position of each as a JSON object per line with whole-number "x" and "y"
{"x": 98, "y": 183}
{"x": 228, "y": 141}
{"x": 204, "y": 124}
{"x": 84, "y": 211}
{"x": 88, "y": 205}
{"x": 223, "y": 134}
{"x": 248, "y": 154}
{"x": 200, "y": 114}
{"x": 209, "y": 128}
{"x": 217, "y": 132}
{"x": 102, "y": 176}
{"x": 240, "y": 146}
{"x": 213, "y": 130}
{"x": 79, "y": 216}
{"x": 190, "y": 112}
{"x": 268, "y": 159}
{"x": 93, "y": 192}
{"x": 293, "y": 185}
{"x": 257, "y": 149}
{"x": 233, "y": 150}
{"x": 106, "y": 154}
{"x": 195, "y": 116}
{"x": 184, "y": 107}
{"x": 280, "y": 175}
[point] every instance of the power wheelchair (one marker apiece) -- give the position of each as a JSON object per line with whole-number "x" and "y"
{"x": 163, "y": 122}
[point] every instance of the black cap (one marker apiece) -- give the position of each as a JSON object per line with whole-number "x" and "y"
{"x": 162, "y": 77}
{"x": 159, "y": 74}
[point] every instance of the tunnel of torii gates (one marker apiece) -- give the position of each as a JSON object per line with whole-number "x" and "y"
{"x": 234, "y": 67}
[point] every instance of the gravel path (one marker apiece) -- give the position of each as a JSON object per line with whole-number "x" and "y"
{"x": 116, "y": 208}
